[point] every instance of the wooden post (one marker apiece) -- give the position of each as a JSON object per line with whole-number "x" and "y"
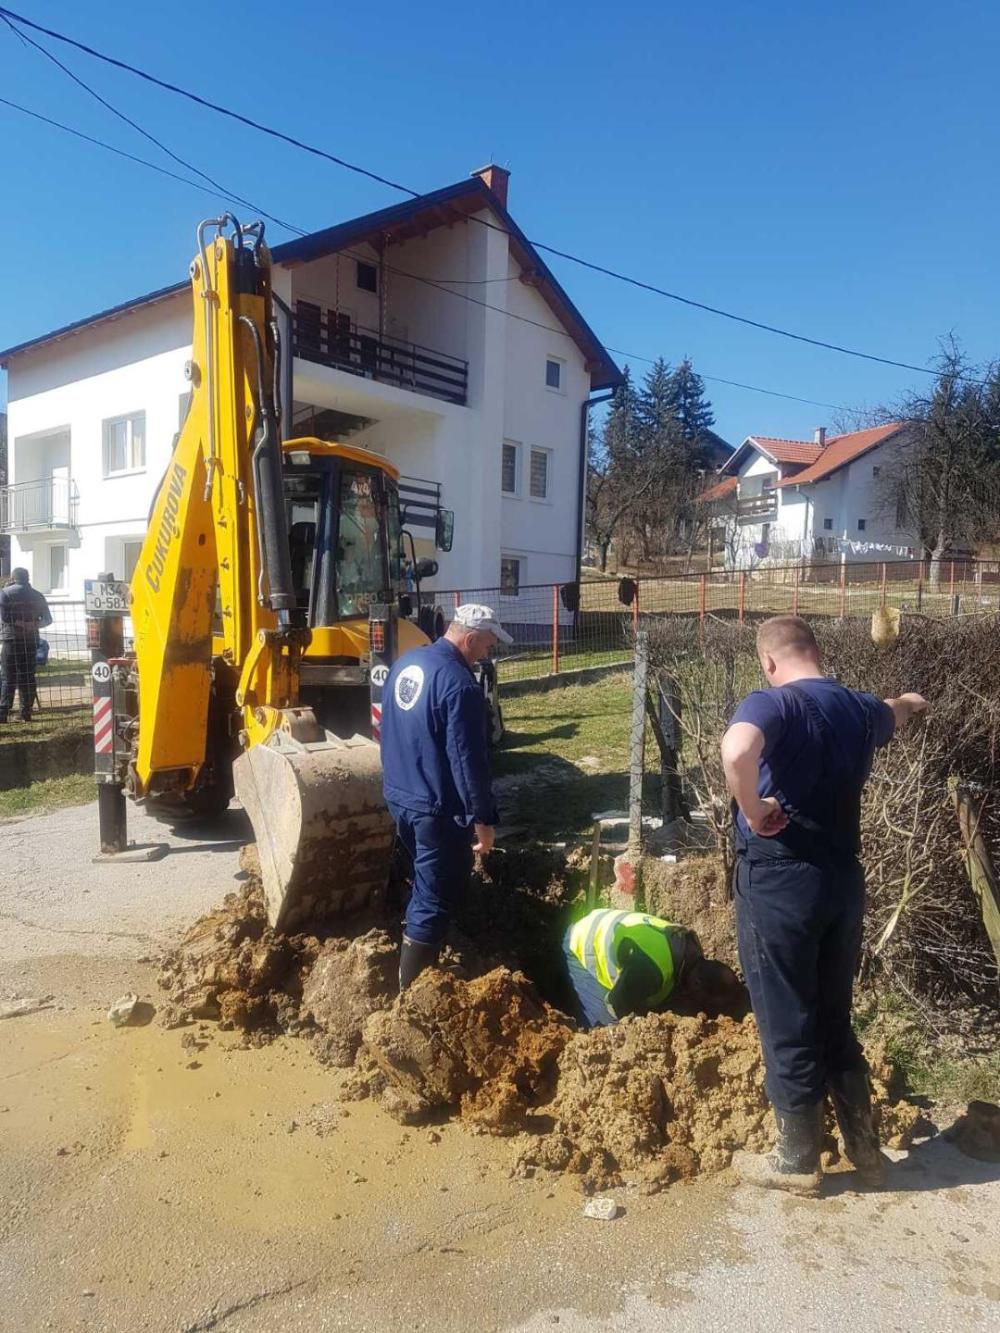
{"x": 637, "y": 744}
{"x": 742, "y": 595}
{"x": 843, "y": 590}
{"x": 594, "y": 884}
{"x": 883, "y": 583}
{"x": 920, "y": 586}
{"x": 702, "y": 582}
{"x": 555, "y": 629}
{"x": 951, "y": 582}
{"x": 795, "y": 590}
{"x": 978, "y": 861}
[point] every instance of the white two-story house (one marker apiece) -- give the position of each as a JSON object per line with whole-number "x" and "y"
{"x": 418, "y": 332}
{"x": 820, "y": 500}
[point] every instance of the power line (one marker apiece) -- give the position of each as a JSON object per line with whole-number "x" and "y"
{"x": 405, "y": 189}
{"x": 439, "y": 284}
{"x": 158, "y": 143}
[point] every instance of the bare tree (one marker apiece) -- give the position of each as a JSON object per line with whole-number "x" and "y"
{"x": 946, "y": 485}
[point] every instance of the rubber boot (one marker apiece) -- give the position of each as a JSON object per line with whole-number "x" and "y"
{"x": 413, "y": 958}
{"x": 793, "y": 1163}
{"x": 850, "y": 1092}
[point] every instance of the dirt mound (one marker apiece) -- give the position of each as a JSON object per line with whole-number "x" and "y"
{"x": 350, "y": 981}
{"x": 233, "y": 968}
{"x": 694, "y": 893}
{"x": 977, "y": 1133}
{"x": 662, "y": 1096}
{"x": 486, "y": 1047}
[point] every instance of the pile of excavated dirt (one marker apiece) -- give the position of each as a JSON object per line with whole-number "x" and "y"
{"x": 660, "y": 1096}
{"x": 977, "y": 1132}
{"x": 233, "y": 968}
{"x": 486, "y": 1049}
{"x": 350, "y": 981}
{"x": 694, "y": 892}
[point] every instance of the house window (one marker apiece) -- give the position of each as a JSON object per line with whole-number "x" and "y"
{"x": 130, "y": 557}
{"x": 553, "y": 374}
{"x": 876, "y": 470}
{"x": 125, "y": 444}
{"x": 367, "y": 276}
{"x": 828, "y": 524}
{"x": 58, "y": 563}
{"x": 861, "y": 525}
{"x": 539, "y": 485}
{"x": 510, "y": 575}
{"x": 509, "y": 468}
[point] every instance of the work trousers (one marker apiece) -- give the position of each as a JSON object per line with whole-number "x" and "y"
{"x": 17, "y": 663}
{"x": 798, "y": 928}
{"x": 441, "y": 852}
{"x": 591, "y": 997}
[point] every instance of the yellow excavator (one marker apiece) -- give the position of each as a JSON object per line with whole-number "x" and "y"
{"x": 267, "y": 606}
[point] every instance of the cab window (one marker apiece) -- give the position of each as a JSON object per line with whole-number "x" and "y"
{"x": 360, "y": 562}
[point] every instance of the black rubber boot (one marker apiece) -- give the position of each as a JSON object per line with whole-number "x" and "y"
{"x": 850, "y": 1092}
{"x": 413, "y": 958}
{"x": 793, "y": 1163}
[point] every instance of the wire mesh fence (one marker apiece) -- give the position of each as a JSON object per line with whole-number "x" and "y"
{"x": 559, "y": 628}
{"x": 567, "y": 627}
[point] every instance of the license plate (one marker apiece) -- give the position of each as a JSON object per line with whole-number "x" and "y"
{"x": 105, "y": 598}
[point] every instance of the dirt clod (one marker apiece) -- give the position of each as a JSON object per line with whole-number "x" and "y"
{"x": 977, "y": 1132}
{"x": 486, "y": 1047}
{"x": 350, "y": 980}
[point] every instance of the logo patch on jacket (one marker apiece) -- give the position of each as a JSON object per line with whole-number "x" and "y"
{"x": 409, "y": 684}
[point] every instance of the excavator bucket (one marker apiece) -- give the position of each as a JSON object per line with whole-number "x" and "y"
{"x": 324, "y": 836}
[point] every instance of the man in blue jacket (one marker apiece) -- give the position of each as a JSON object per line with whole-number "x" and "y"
{"x": 436, "y": 774}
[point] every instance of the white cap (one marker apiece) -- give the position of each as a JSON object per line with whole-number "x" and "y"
{"x": 474, "y": 616}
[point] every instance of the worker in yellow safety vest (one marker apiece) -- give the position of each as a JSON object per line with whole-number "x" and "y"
{"x": 632, "y": 963}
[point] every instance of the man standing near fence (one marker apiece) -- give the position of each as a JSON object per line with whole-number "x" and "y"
{"x": 436, "y": 774}
{"x": 796, "y": 757}
{"x": 23, "y": 611}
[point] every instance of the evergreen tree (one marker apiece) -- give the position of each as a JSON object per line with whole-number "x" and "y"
{"x": 691, "y": 407}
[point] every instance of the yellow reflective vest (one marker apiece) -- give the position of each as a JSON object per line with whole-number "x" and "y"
{"x": 595, "y": 939}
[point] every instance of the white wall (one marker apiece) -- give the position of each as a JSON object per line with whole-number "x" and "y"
{"x": 135, "y": 363}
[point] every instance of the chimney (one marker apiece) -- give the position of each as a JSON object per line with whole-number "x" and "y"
{"x": 495, "y": 179}
{"x": 819, "y": 436}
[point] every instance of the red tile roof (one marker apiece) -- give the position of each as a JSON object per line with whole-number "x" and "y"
{"x": 722, "y": 488}
{"x": 840, "y": 451}
{"x": 787, "y": 451}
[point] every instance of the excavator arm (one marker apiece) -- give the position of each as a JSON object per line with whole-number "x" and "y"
{"x": 217, "y": 549}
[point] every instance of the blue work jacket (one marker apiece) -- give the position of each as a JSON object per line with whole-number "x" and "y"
{"x": 435, "y": 751}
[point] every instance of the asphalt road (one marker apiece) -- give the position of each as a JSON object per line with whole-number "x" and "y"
{"x": 151, "y": 1186}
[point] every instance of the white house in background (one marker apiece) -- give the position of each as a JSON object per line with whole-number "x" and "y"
{"x": 821, "y": 500}
{"x": 419, "y": 333}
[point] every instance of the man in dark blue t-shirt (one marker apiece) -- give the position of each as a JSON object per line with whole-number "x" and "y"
{"x": 796, "y": 758}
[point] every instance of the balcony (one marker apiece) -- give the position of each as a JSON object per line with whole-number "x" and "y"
{"x": 45, "y": 505}
{"x": 330, "y": 338}
{"x": 758, "y": 508}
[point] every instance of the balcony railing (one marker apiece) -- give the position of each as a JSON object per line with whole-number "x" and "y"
{"x": 758, "y": 508}
{"x": 34, "y": 506}
{"x": 331, "y": 339}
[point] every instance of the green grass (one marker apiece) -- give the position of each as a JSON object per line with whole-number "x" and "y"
{"x": 926, "y": 1067}
{"x": 76, "y": 789}
{"x": 46, "y": 724}
{"x": 549, "y": 734}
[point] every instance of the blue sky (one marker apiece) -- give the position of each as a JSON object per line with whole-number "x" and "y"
{"x": 825, "y": 167}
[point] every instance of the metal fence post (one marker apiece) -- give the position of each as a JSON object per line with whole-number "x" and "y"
{"x": 555, "y": 629}
{"x": 742, "y": 595}
{"x": 843, "y": 590}
{"x": 951, "y": 581}
{"x": 702, "y": 582}
{"x": 795, "y": 590}
{"x": 884, "y": 590}
{"x": 635, "y": 610}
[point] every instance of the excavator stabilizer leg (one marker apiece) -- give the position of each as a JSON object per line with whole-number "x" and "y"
{"x": 323, "y": 833}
